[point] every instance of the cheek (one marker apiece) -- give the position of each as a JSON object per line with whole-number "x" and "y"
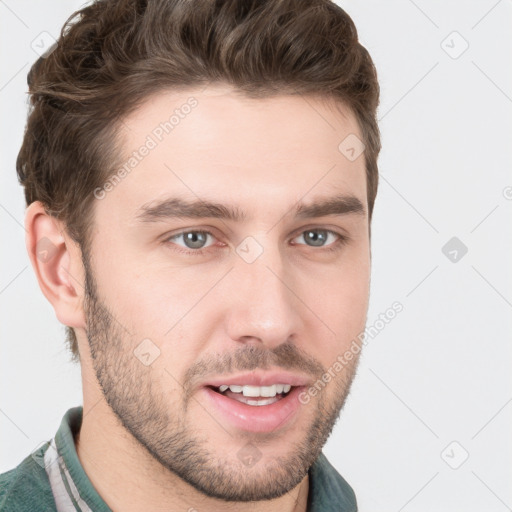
{"x": 343, "y": 306}
{"x": 341, "y": 303}
{"x": 161, "y": 306}
{"x": 142, "y": 304}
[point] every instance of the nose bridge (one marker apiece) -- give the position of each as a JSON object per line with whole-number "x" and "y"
{"x": 263, "y": 304}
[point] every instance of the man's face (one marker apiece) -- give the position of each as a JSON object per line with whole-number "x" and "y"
{"x": 180, "y": 305}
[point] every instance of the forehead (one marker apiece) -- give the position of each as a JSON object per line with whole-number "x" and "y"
{"x": 219, "y": 144}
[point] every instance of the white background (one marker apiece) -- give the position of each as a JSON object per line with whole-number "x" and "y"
{"x": 441, "y": 370}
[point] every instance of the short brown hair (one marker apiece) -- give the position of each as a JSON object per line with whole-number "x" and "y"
{"x": 113, "y": 54}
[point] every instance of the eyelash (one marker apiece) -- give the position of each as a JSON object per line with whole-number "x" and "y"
{"x": 333, "y": 247}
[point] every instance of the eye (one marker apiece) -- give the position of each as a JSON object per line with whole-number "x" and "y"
{"x": 319, "y": 237}
{"x": 195, "y": 242}
{"x": 192, "y": 239}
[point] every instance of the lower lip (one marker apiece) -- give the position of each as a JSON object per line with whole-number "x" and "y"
{"x": 256, "y": 418}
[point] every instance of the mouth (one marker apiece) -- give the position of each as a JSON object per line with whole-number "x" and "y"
{"x": 255, "y": 396}
{"x": 255, "y": 408}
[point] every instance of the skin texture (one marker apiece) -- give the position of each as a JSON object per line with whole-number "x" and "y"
{"x": 149, "y": 440}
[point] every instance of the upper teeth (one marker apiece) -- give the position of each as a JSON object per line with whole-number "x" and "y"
{"x": 257, "y": 390}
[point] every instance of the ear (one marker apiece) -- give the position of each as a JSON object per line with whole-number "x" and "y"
{"x": 57, "y": 263}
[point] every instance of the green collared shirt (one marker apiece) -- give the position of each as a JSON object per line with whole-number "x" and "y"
{"x": 51, "y": 479}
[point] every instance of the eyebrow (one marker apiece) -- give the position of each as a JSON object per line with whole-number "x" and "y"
{"x": 175, "y": 207}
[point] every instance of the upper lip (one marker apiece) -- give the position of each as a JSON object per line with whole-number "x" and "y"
{"x": 259, "y": 379}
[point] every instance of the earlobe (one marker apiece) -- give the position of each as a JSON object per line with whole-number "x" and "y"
{"x": 55, "y": 260}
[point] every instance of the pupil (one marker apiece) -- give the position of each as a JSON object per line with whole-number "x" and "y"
{"x": 195, "y": 239}
{"x": 317, "y": 237}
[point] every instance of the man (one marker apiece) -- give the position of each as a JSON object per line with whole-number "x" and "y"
{"x": 200, "y": 178}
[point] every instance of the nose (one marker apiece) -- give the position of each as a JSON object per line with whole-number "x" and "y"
{"x": 263, "y": 306}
